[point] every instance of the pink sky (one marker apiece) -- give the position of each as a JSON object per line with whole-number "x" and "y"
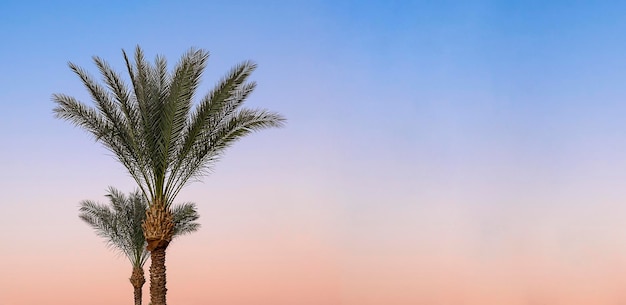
{"x": 436, "y": 153}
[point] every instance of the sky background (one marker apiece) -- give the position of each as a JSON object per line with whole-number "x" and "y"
{"x": 468, "y": 152}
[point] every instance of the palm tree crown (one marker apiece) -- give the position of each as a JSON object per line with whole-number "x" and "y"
{"x": 153, "y": 130}
{"x": 119, "y": 222}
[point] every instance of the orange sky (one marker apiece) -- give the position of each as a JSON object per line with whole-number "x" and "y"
{"x": 305, "y": 269}
{"x": 436, "y": 153}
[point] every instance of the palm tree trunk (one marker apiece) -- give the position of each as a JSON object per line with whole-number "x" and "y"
{"x": 158, "y": 290}
{"x": 158, "y": 228}
{"x": 137, "y": 280}
{"x": 138, "y": 295}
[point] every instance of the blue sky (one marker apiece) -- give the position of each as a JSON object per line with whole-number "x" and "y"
{"x": 413, "y": 125}
{"x": 454, "y": 85}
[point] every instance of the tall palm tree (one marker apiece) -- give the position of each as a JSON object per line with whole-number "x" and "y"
{"x": 154, "y": 132}
{"x": 120, "y": 224}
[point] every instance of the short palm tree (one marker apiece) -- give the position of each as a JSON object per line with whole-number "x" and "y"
{"x": 120, "y": 224}
{"x": 163, "y": 141}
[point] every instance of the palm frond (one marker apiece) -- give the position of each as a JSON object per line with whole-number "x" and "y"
{"x": 227, "y": 95}
{"x": 185, "y": 80}
{"x": 119, "y": 223}
{"x": 185, "y": 216}
{"x": 123, "y": 97}
{"x": 234, "y": 127}
{"x": 103, "y": 130}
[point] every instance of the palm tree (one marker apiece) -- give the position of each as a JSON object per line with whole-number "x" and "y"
{"x": 154, "y": 132}
{"x": 120, "y": 224}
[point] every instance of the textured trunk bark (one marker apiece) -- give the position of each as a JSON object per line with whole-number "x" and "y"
{"x": 137, "y": 280}
{"x": 157, "y": 276}
{"x": 158, "y": 228}
{"x": 138, "y": 295}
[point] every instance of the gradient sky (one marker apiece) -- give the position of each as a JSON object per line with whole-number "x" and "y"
{"x": 461, "y": 153}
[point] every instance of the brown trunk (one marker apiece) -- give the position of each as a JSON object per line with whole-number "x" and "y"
{"x": 158, "y": 228}
{"x": 137, "y": 280}
{"x": 157, "y": 276}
